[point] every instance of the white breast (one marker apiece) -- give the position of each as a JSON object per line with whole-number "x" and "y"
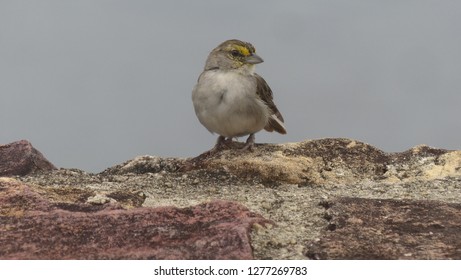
{"x": 226, "y": 103}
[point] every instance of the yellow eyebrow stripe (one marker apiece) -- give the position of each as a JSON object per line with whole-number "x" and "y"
{"x": 243, "y": 50}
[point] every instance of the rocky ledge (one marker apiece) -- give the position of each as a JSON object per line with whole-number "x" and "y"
{"x": 318, "y": 199}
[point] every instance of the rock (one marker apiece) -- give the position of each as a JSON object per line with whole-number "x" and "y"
{"x": 144, "y": 164}
{"x": 34, "y": 228}
{"x": 20, "y": 158}
{"x": 316, "y": 162}
{"x": 285, "y": 183}
{"x": 389, "y": 229}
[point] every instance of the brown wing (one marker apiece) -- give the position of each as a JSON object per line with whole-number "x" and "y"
{"x": 265, "y": 93}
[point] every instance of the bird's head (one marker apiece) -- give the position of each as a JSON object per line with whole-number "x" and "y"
{"x": 233, "y": 54}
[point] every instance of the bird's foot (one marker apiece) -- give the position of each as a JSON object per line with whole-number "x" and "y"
{"x": 221, "y": 144}
{"x": 249, "y": 143}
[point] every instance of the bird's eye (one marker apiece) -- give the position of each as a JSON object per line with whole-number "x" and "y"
{"x": 236, "y": 53}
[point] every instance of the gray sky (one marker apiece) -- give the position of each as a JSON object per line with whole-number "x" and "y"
{"x": 93, "y": 83}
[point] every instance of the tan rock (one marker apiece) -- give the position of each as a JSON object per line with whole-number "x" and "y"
{"x": 285, "y": 183}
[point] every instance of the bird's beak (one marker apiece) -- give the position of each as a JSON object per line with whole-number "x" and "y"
{"x": 254, "y": 59}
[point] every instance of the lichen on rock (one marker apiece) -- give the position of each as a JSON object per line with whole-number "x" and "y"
{"x": 285, "y": 187}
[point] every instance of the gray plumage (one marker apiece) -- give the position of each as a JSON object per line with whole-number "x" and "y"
{"x": 230, "y": 99}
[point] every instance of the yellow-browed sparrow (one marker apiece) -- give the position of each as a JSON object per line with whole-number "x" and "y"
{"x": 230, "y": 99}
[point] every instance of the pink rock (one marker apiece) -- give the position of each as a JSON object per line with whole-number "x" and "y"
{"x": 34, "y": 228}
{"x": 20, "y": 158}
{"x": 361, "y": 228}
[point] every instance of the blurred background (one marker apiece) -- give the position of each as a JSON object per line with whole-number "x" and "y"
{"x": 92, "y": 83}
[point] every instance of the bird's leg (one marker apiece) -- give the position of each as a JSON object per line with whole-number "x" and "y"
{"x": 249, "y": 143}
{"x": 228, "y": 140}
{"x": 198, "y": 160}
{"x": 219, "y": 143}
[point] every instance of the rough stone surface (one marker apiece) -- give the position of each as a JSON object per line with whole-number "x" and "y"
{"x": 286, "y": 183}
{"x": 33, "y": 228}
{"x": 332, "y": 162}
{"x": 389, "y": 229}
{"x": 20, "y": 158}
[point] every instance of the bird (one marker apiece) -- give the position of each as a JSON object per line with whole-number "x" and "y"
{"x": 231, "y": 100}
